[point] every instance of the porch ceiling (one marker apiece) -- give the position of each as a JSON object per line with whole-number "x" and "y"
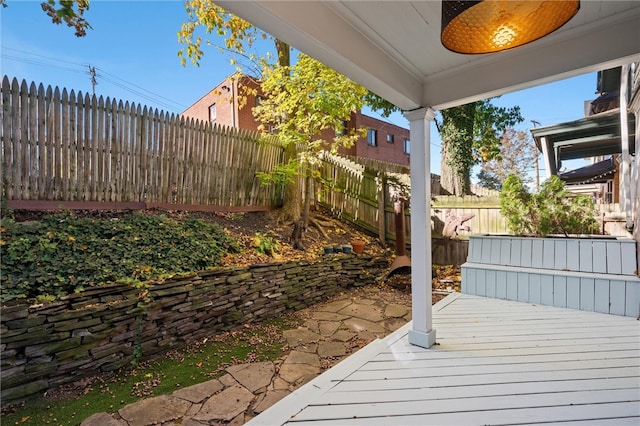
{"x": 592, "y": 136}
{"x": 393, "y": 47}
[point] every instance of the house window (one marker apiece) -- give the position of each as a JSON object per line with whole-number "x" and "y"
{"x": 407, "y": 146}
{"x": 212, "y": 113}
{"x": 259, "y": 100}
{"x": 372, "y": 136}
{"x": 608, "y": 195}
{"x": 389, "y": 138}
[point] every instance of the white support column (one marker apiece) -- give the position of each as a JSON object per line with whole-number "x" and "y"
{"x": 545, "y": 157}
{"x": 625, "y": 178}
{"x": 422, "y": 333}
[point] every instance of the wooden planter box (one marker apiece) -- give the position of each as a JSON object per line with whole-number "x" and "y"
{"x": 590, "y": 274}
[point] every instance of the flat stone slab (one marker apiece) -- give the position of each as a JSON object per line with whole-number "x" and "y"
{"x": 200, "y": 392}
{"x": 253, "y": 376}
{"x": 394, "y": 310}
{"x": 164, "y": 408}
{"x": 343, "y": 335}
{"x": 269, "y": 399}
{"x": 312, "y": 325}
{"x": 363, "y": 311}
{"x": 392, "y": 324}
{"x": 358, "y": 325}
{"x": 327, "y": 328}
{"x": 332, "y": 349}
{"x": 328, "y": 316}
{"x": 306, "y": 347}
{"x": 301, "y": 335}
{"x": 366, "y": 301}
{"x": 225, "y": 405}
{"x": 101, "y": 419}
{"x": 334, "y": 306}
{"x": 293, "y": 373}
{"x": 298, "y": 357}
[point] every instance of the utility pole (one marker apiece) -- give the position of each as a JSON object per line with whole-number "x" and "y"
{"x": 94, "y": 81}
{"x": 536, "y": 124}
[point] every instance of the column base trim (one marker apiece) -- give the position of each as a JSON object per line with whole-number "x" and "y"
{"x": 422, "y": 339}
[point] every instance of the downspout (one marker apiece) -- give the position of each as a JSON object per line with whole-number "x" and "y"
{"x": 625, "y": 181}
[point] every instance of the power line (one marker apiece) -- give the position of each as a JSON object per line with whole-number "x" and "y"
{"x": 95, "y": 73}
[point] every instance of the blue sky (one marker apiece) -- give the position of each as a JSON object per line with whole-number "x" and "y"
{"x": 134, "y": 46}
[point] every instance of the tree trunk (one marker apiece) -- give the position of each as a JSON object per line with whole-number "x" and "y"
{"x": 457, "y": 149}
{"x": 284, "y": 53}
{"x": 308, "y": 194}
{"x": 453, "y": 179}
{"x": 291, "y": 204}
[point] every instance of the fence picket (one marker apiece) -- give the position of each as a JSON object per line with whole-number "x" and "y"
{"x": 17, "y": 136}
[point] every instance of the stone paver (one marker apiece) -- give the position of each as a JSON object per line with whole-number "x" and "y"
{"x": 225, "y": 405}
{"x": 151, "y": 411}
{"x": 358, "y": 325}
{"x": 298, "y": 357}
{"x": 248, "y": 389}
{"x": 332, "y": 349}
{"x": 328, "y": 328}
{"x": 200, "y": 392}
{"x": 102, "y": 419}
{"x": 253, "y": 376}
{"x": 394, "y": 310}
{"x": 363, "y": 311}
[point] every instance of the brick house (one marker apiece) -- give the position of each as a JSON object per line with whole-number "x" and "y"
{"x": 230, "y": 103}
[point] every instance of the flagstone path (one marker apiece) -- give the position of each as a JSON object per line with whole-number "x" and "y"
{"x": 330, "y": 332}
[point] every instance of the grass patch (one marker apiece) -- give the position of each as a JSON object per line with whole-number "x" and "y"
{"x": 178, "y": 369}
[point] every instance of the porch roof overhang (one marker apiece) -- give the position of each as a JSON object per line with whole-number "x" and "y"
{"x": 393, "y": 47}
{"x": 593, "y": 136}
{"x": 594, "y": 173}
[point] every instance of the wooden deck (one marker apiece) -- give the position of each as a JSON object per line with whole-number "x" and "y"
{"x": 496, "y": 362}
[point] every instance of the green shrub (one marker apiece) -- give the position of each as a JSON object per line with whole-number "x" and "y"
{"x": 62, "y": 253}
{"x": 266, "y": 243}
{"x": 553, "y": 210}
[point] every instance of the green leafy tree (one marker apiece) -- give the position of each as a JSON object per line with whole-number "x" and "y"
{"x": 471, "y": 133}
{"x": 71, "y": 12}
{"x": 300, "y": 100}
{"x": 517, "y": 155}
{"x": 553, "y": 210}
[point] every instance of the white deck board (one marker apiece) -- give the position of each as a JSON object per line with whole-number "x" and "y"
{"x": 496, "y": 362}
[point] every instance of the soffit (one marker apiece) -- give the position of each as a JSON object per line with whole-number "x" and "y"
{"x": 393, "y": 47}
{"x": 593, "y": 136}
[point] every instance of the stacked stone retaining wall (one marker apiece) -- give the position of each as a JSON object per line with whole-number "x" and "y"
{"x": 106, "y": 328}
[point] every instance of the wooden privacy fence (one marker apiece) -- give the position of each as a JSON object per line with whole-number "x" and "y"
{"x": 60, "y": 146}
{"x": 359, "y": 191}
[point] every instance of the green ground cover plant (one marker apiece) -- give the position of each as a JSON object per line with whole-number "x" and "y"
{"x": 62, "y": 253}
{"x": 552, "y": 210}
{"x": 194, "y": 364}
